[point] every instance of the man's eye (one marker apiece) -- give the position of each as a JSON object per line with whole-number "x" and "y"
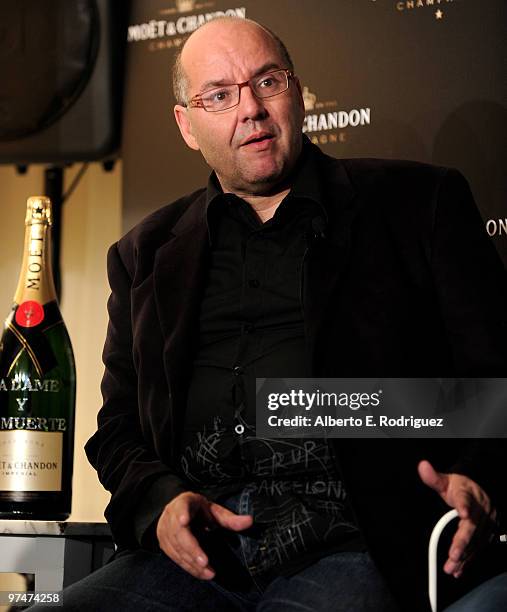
{"x": 219, "y": 95}
{"x": 267, "y": 82}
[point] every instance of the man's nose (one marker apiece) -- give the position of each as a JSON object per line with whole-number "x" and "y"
{"x": 250, "y": 106}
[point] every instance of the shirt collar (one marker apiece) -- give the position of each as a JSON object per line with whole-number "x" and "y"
{"x": 306, "y": 185}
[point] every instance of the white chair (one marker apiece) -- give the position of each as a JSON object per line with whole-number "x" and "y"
{"x": 432, "y": 554}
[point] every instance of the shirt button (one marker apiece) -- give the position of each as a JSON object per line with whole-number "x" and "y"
{"x": 249, "y": 328}
{"x": 237, "y": 370}
{"x": 253, "y": 283}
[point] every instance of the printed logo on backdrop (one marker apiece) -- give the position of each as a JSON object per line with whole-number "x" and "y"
{"x": 439, "y": 7}
{"x": 175, "y": 23}
{"x": 326, "y": 123}
{"x": 496, "y": 227}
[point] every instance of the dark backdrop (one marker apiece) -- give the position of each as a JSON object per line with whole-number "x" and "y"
{"x": 383, "y": 78}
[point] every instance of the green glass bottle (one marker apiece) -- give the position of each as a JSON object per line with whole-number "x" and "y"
{"x": 37, "y": 387}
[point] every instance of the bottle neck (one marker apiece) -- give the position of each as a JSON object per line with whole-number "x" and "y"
{"x": 36, "y": 276}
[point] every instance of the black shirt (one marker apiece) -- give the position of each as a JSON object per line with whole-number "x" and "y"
{"x": 251, "y": 326}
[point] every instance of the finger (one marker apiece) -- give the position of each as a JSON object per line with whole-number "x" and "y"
{"x": 458, "y": 571}
{"x": 230, "y": 520}
{"x": 187, "y": 508}
{"x": 454, "y": 569}
{"x": 465, "y": 504}
{"x": 189, "y": 548}
{"x": 433, "y": 479}
{"x": 472, "y": 534}
{"x": 197, "y": 572}
{"x": 462, "y": 539}
{"x": 182, "y": 558}
{"x": 175, "y": 556}
{"x": 471, "y": 505}
{"x": 195, "y": 569}
{"x": 460, "y": 549}
{"x": 182, "y": 555}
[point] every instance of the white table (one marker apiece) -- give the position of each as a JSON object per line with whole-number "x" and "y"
{"x": 57, "y": 554}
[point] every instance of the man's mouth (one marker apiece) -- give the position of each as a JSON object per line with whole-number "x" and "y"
{"x": 257, "y": 137}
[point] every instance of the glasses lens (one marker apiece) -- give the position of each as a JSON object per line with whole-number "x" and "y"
{"x": 220, "y": 98}
{"x": 270, "y": 84}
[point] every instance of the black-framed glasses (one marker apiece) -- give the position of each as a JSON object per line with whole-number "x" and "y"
{"x": 225, "y": 97}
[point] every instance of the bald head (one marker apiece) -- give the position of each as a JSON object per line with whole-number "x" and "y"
{"x": 254, "y": 143}
{"x": 205, "y": 35}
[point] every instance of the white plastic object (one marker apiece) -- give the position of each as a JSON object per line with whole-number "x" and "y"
{"x": 432, "y": 555}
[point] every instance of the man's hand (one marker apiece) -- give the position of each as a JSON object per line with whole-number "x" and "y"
{"x": 175, "y": 536}
{"x": 474, "y": 509}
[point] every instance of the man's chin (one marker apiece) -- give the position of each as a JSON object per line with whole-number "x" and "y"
{"x": 264, "y": 185}
{"x": 264, "y": 181}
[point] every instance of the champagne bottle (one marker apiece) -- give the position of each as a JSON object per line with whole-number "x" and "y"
{"x": 37, "y": 387}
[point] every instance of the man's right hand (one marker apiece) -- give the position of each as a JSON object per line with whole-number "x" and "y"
{"x": 174, "y": 530}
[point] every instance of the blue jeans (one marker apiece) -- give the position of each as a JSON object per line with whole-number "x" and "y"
{"x": 491, "y": 596}
{"x": 148, "y": 581}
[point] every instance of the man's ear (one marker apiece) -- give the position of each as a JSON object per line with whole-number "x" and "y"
{"x": 180, "y": 114}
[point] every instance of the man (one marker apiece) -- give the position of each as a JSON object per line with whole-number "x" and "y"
{"x": 289, "y": 263}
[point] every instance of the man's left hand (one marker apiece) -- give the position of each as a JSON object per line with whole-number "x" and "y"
{"x": 476, "y": 514}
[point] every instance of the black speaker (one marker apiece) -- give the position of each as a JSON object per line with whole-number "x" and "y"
{"x": 61, "y": 63}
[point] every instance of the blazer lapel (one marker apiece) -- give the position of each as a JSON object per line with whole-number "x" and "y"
{"x": 178, "y": 277}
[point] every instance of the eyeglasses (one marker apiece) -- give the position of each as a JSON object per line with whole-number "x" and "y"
{"x": 263, "y": 86}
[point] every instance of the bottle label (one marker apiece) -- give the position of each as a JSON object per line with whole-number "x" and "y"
{"x": 29, "y": 314}
{"x": 30, "y": 460}
{"x": 32, "y": 422}
{"x": 30, "y": 338}
{"x": 36, "y": 278}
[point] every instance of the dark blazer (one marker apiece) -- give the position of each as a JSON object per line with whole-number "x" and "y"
{"x": 406, "y": 283}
